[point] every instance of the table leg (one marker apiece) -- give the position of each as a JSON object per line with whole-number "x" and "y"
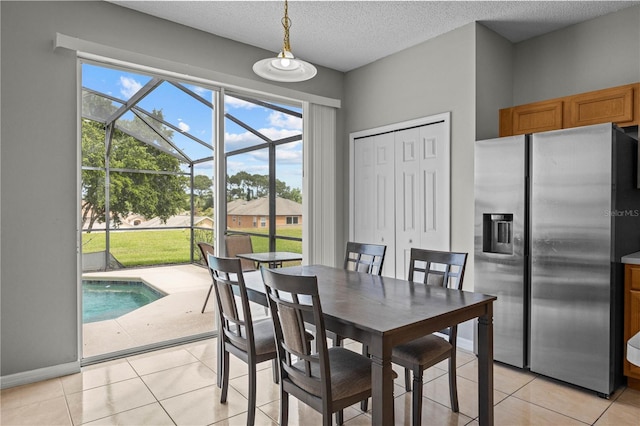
{"x": 382, "y": 384}
{"x": 485, "y": 367}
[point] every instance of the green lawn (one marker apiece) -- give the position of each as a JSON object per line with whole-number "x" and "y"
{"x": 143, "y": 248}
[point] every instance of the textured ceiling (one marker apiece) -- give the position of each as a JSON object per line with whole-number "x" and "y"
{"x": 344, "y": 35}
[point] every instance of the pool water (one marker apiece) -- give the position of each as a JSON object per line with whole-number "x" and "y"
{"x": 103, "y": 300}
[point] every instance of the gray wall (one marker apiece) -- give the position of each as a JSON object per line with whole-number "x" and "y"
{"x": 596, "y": 54}
{"x": 39, "y": 161}
{"x": 494, "y": 80}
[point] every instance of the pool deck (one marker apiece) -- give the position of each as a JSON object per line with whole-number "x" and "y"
{"x": 171, "y": 317}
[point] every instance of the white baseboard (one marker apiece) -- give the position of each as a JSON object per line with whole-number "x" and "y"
{"x": 39, "y": 374}
{"x": 465, "y": 344}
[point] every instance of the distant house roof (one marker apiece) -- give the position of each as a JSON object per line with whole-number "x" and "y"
{"x": 181, "y": 220}
{"x": 178, "y": 221}
{"x": 260, "y": 207}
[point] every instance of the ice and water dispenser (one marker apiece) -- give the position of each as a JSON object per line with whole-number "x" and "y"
{"x": 497, "y": 235}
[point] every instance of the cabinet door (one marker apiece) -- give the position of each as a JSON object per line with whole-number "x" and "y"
{"x": 536, "y": 117}
{"x": 614, "y": 105}
{"x": 422, "y": 191}
{"x": 631, "y": 314}
{"x": 634, "y": 323}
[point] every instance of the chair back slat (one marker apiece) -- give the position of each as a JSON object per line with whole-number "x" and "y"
{"x": 438, "y": 268}
{"x": 293, "y": 331}
{"x": 230, "y": 311}
{"x": 294, "y": 300}
{"x": 233, "y": 302}
{"x": 368, "y": 258}
{"x": 238, "y": 244}
{"x": 205, "y": 250}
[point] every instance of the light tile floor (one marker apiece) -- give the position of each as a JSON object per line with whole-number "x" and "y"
{"x": 176, "y": 386}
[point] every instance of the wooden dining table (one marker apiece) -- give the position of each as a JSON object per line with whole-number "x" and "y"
{"x": 271, "y": 258}
{"x": 383, "y": 312}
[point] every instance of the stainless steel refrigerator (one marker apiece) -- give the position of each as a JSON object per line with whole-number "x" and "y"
{"x": 554, "y": 213}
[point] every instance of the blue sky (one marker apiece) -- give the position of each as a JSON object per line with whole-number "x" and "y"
{"x": 196, "y": 118}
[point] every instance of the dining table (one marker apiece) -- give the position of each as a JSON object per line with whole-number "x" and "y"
{"x": 383, "y": 312}
{"x": 271, "y": 258}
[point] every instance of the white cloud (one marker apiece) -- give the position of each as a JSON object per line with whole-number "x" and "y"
{"x": 238, "y": 140}
{"x": 184, "y": 126}
{"x": 279, "y": 119}
{"x": 129, "y": 86}
{"x": 204, "y": 169}
{"x": 231, "y": 102}
{"x": 234, "y": 167}
{"x": 289, "y": 156}
{"x": 284, "y": 155}
{"x": 235, "y": 141}
{"x": 202, "y": 91}
{"x": 277, "y": 134}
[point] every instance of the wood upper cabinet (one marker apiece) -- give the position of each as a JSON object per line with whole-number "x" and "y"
{"x": 631, "y": 319}
{"x": 619, "y": 105}
{"x": 614, "y": 105}
{"x": 530, "y": 118}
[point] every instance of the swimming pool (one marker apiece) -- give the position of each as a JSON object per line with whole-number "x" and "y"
{"x": 105, "y": 299}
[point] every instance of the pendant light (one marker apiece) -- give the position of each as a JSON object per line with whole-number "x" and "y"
{"x": 285, "y": 67}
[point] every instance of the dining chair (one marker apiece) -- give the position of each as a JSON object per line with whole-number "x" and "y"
{"x": 326, "y": 379}
{"x": 205, "y": 250}
{"x": 251, "y": 342}
{"x": 367, "y": 258}
{"x": 238, "y": 244}
{"x": 360, "y": 257}
{"x": 443, "y": 269}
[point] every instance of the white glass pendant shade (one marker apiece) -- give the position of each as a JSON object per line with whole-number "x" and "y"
{"x": 285, "y": 62}
{"x": 285, "y": 67}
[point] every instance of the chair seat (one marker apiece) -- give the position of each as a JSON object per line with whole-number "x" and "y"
{"x": 421, "y": 351}
{"x": 264, "y": 337}
{"x": 350, "y": 373}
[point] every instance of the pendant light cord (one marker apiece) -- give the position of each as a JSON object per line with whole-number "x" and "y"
{"x": 286, "y": 23}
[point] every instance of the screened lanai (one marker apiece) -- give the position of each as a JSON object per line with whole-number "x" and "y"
{"x": 147, "y": 158}
{"x": 147, "y": 198}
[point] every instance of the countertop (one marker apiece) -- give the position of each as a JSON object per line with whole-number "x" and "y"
{"x": 633, "y": 258}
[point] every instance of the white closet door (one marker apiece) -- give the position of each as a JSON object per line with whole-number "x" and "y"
{"x": 422, "y": 191}
{"x": 385, "y": 206}
{"x": 364, "y": 189}
{"x": 374, "y": 199}
{"x": 435, "y": 195}
{"x": 407, "y": 197}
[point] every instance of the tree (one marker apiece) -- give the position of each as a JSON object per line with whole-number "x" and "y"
{"x": 150, "y": 195}
{"x": 243, "y": 185}
{"x": 93, "y": 181}
{"x": 246, "y": 186}
{"x": 283, "y": 191}
{"x": 203, "y": 193}
{"x": 202, "y": 185}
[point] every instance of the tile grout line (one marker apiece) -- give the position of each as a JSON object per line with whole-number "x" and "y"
{"x": 151, "y": 392}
